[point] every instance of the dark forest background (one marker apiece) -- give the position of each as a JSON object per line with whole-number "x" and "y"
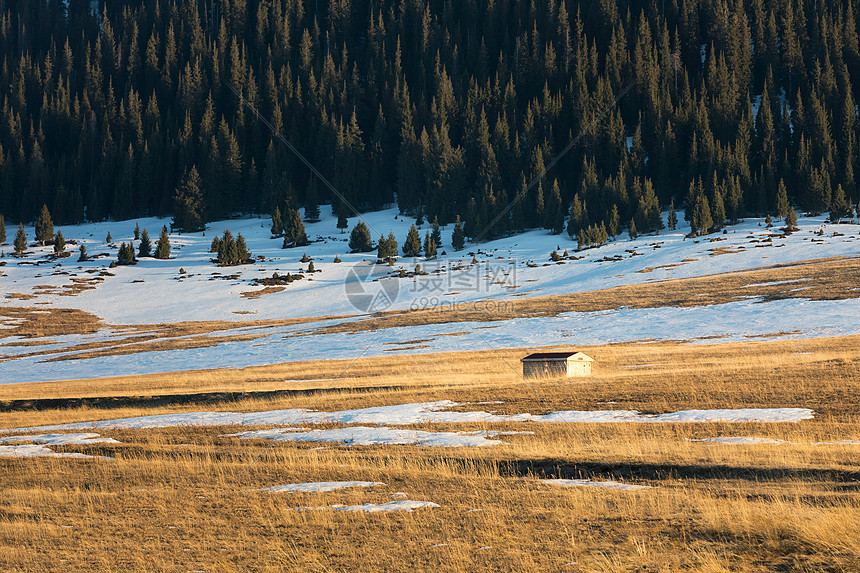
{"x": 446, "y": 107}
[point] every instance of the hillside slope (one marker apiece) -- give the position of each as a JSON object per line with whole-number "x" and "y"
{"x": 151, "y": 317}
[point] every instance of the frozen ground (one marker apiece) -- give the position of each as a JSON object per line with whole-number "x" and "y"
{"x": 154, "y": 291}
{"x": 417, "y": 413}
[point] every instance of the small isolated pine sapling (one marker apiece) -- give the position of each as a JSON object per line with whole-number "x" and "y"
{"x": 136, "y": 231}
{"x": 83, "y": 257}
{"x": 412, "y": 244}
{"x": 458, "y": 237}
{"x": 359, "y": 239}
{"x": 108, "y": 238}
{"x": 145, "y": 247}
{"x": 305, "y": 258}
{"x": 768, "y": 221}
{"x": 2, "y": 229}
{"x": 20, "y": 240}
{"x": 673, "y": 217}
{"x": 631, "y": 230}
{"x": 791, "y": 220}
{"x": 311, "y": 268}
{"x": 342, "y": 221}
{"x": 59, "y": 243}
{"x": 336, "y": 259}
{"x": 162, "y": 247}
{"x": 554, "y": 256}
{"x": 44, "y": 226}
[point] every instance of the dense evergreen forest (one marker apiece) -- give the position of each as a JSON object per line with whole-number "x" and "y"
{"x": 445, "y": 107}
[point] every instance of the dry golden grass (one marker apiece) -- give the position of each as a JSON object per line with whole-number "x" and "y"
{"x": 176, "y": 499}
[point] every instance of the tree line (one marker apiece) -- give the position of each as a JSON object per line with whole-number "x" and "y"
{"x": 730, "y": 107}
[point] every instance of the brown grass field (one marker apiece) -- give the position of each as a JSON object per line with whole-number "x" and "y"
{"x": 177, "y": 499}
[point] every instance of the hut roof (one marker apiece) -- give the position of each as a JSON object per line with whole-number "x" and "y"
{"x": 556, "y": 356}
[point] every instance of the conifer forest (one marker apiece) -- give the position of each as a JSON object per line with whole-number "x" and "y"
{"x": 444, "y": 108}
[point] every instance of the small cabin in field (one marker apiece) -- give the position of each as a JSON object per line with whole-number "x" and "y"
{"x": 550, "y": 364}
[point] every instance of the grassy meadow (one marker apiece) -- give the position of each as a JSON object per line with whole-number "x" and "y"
{"x": 180, "y": 499}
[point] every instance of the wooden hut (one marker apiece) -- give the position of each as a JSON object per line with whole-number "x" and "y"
{"x": 551, "y": 364}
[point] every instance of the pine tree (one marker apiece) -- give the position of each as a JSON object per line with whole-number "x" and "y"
{"x": 436, "y": 232}
{"x": 83, "y": 256}
{"x": 294, "y": 230}
{"x": 718, "y": 211}
{"x": 412, "y": 244}
{"x": 108, "y": 238}
{"x": 554, "y": 213}
{"x": 145, "y": 247}
{"x": 44, "y": 226}
{"x": 701, "y": 221}
{"x": 242, "y": 253}
{"x": 162, "y": 246}
{"x": 392, "y": 248}
{"x": 429, "y": 246}
{"x": 136, "y": 231}
{"x": 782, "y": 205}
{"x": 312, "y": 206}
{"x": 59, "y": 242}
{"x": 125, "y": 256}
{"x": 277, "y": 223}
{"x": 2, "y": 229}
{"x": 458, "y": 237}
{"x": 673, "y": 218}
{"x": 614, "y": 222}
{"x": 215, "y": 245}
{"x": 791, "y": 220}
{"x": 342, "y": 221}
{"x": 839, "y": 207}
{"x": 359, "y": 239}
{"x": 188, "y": 204}
{"x": 20, "y": 240}
{"x": 631, "y": 230}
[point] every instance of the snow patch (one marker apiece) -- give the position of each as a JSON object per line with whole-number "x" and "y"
{"x": 609, "y": 484}
{"x": 317, "y": 487}
{"x": 414, "y": 413}
{"x": 60, "y": 439}
{"x": 366, "y": 436}
{"x": 402, "y": 505}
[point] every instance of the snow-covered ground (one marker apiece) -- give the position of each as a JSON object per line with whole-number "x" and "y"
{"x": 154, "y": 291}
